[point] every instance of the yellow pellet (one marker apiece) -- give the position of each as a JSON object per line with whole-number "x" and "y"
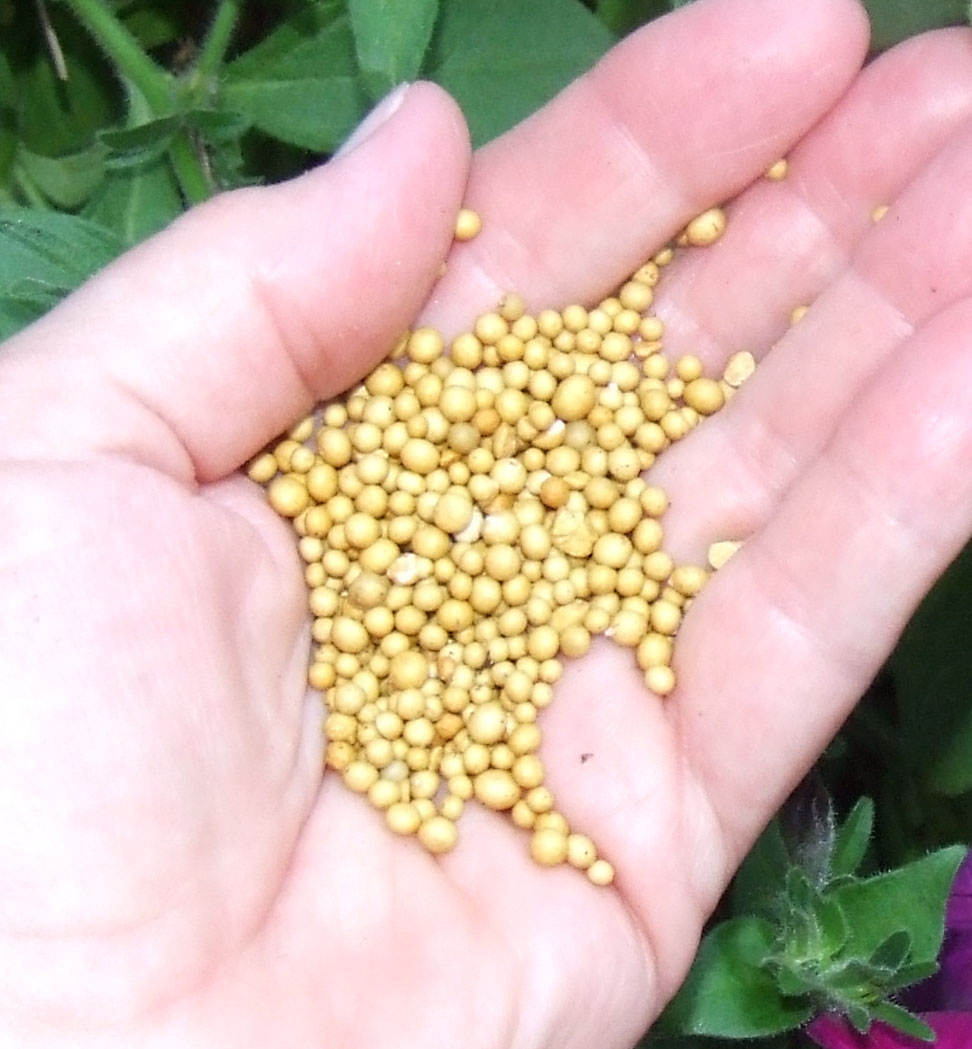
{"x": 468, "y": 518}
{"x": 468, "y": 224}
{"x": 707, "y": 228}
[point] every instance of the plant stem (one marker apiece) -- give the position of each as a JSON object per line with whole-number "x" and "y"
{"x": 188, "y": 171}
{"x": 125, "y": 53}
{"x": 217, "y": 41}
{"x": 154, "y": 84}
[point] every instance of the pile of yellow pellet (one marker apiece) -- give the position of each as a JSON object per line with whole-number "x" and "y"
{"x": 469, "y": 515}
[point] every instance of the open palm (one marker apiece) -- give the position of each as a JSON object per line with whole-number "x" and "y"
{"x": 173, "y": 869}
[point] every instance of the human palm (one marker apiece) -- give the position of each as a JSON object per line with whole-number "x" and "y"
{"x": 174, "y": 870}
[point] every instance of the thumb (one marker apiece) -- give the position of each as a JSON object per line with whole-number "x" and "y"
{"x": 196, "y": 348}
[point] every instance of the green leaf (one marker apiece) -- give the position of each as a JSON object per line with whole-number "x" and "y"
{"x": 728, "y": 992}
{"x": 794, "y": 981}
{"x": 813, "y": 927}
{"x": 893, "y": 952}
{"x": 910, "y": 974}
{"x": 831, "y": 923}
{"x": 621, "y": 16}
{"x": 8, "y": 120}
{"x": 135, "y": 146}
{"x": 502, "y": 59}
{"x": 67, "y": 181}
{"x": 894, "y": 20}
{"x": 859, "y": 1016}
{"x": 852, "y": 839}
{"x": 35, "y": 296}
{"x": 391, "y": 38}
{"x": 219, "y": 126}
{"x": 800, "y": 894}
{"x": 932, "y": 672}
{"x": 8, "y": 150}
{"x": 137, "y": 202}
{"x": 7, "y": 80}
{"x": 43, "y": 256}
{"x": 899, "y": 1018}
{"x": 910, "y": 899}
{"x": 152, "y": 28}
{"x": 300, "y": 83}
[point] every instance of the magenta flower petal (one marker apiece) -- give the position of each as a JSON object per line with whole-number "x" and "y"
{"x": 952, "y": 1031}
{"x": 954, "y": 981}
{"x": 958, "y": 917}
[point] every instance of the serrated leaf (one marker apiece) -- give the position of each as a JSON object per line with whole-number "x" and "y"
{"x": 486, "y": 53}
{"x": 932, "y": 671}
{"x": 300, "y": 83}
{"x": 909, "y": 899}
{"x": 729, "y": 992}
{"x": 43, "y": 256}
{"x": 391, "y": 38}
{"x": 852, "y": 839}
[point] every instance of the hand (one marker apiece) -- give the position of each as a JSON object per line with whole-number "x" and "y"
{"x": 173, "y": 870}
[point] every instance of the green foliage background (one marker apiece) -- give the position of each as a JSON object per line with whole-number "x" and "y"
{"x": 115, "y": 115}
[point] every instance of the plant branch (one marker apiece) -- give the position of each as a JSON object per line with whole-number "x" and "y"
{"x": 217, "y": 41}
{"x": 188, "y": 171}
{"x": 125, "y": 53}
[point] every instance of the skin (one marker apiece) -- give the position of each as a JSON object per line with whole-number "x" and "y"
{"x": 173, "y": 871}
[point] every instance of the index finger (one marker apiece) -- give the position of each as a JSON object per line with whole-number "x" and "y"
{"x": 678, "y": 117}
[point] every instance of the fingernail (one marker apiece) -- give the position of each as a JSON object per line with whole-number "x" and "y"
{"x": 385, "y": 108}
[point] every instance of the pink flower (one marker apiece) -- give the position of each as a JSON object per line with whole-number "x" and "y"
{"x": 953, "y": 1030}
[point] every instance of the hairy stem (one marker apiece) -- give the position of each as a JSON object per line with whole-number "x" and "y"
{"x": 126, "y": 54}
{"x": 188, "y": 170}
{"x": 217, "y": 41}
